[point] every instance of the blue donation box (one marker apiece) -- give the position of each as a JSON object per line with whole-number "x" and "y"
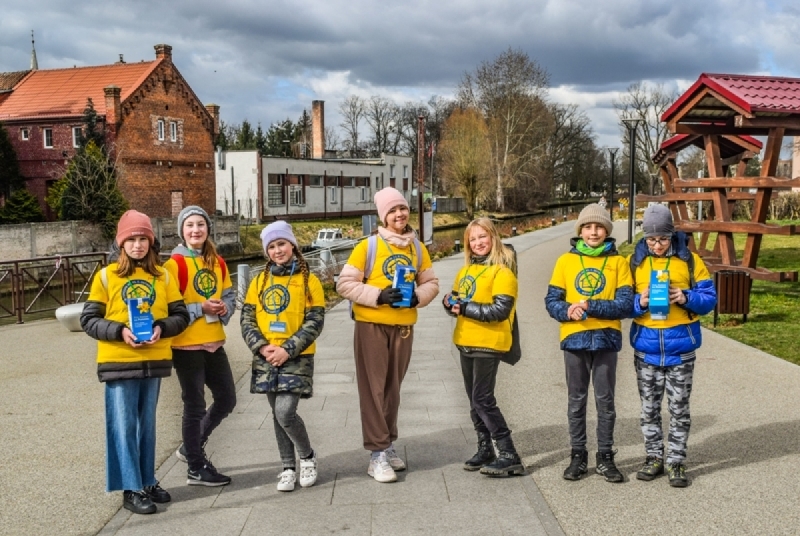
{"x": 404, "y": 279}
{"x": 659, "y": 294}
{"x": 141, "y": 319}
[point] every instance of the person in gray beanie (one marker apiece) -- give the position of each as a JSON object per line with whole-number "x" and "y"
{"x": 664, "y": 348}
{"x": 198, "y": 354}
{"x": 589, "y": 293}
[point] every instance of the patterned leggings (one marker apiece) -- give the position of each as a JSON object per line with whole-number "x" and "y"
{"x": 652, "y": 381}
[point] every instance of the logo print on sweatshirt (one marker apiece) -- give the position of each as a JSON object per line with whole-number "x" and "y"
{"x": 590, "y": 282}
{"x": 466, "y": 288}
{"x": 205, "y": 282}
{"x": 391, "y": 262}
{"x": 275, "y": 299}
{"x": 138, "y": 288}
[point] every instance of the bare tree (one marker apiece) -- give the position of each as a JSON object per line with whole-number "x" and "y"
{"x": 464, "y": 154}
{"x": 510, "y": 92}
{"x": 646, "y": 102}
{"x": 382, "y": 117}
{"x": 352, "y": 111}
{"x": 332, "y": 140}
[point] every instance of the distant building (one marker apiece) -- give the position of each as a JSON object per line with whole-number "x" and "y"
{"x": 319, "y": 187}
{"x": 154, "y": 125}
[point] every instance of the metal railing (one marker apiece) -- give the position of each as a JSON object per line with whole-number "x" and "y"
{"x": 43, "y": 284}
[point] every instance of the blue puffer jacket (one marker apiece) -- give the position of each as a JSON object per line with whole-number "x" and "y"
{"x": 592, "y": 339}
{"x": 664, "y": 346}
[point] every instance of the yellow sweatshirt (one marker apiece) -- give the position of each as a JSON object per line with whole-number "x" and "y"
{"x": 480, "y": 283}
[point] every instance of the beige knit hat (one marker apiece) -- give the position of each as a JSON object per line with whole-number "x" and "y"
{"x": 594, "y": 213}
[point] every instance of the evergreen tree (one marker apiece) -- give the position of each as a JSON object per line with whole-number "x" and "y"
{"x": 280, "y": 138}
{"x": 91, "y": 192}
{"x": 246, "y": 138}
{"x": 10, "y": 177}
{"x": 21, "y": 207}
{"x": 261, "y": 139}
{"x": 90, "y": 131}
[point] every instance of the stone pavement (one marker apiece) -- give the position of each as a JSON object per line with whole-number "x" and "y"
{"x": 744, "y": 443}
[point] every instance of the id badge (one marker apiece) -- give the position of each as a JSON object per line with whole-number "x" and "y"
{"x": 277, "y": 327}
{"x": 210, "y": 319}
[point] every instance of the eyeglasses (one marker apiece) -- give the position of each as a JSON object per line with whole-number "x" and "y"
{"x": 662, "y": 240}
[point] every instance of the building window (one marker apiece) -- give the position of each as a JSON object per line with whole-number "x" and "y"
{"x": 275, "y": 190}
{"x": 392, "y": 182}
{"x": 48, "y": 138}
{"x": 364, "y": 194}
{"x": 160, "y": 130}
{"x": 348, "y": 181}
{"x": 173, "y": 131}
{"x": 379, "y": 183}
{"x": 405, "y": 172}
{"x": 405, "y": 185}
{"x": 315, "y": 180}
{"x": 76, "y": 137}
{"x": 391, "y": 171}
{"x": 332, "y": 195}
{"x": 24, "y": 134}
{"x": 297, "y": 196}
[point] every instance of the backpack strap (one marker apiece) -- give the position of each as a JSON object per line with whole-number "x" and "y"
{"x": 104, "y": 277}
{"x": 222, "y": 266}
{"x": 372, "y": 251}
{"x": 418, "y": 247}
{"x": 183, "y": 271}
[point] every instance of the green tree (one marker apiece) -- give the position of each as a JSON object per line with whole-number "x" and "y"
{"x": 91, "y": 192}
{"x": 90, "y": 131}
{"x": 21, "y": 207}
{"x": 280, "y": 137}
{"x": 261, "y": 139}
{"x": 54, "y": 195}
{"x": 245, "y": 137}
{"x": 10, "y": 177}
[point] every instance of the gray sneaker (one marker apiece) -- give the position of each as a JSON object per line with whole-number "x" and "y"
{"x": 395, "y": 461}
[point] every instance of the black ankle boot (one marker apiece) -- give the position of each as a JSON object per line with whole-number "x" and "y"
{"x": 484, "y": 455}
{"x": 507, "y": 462}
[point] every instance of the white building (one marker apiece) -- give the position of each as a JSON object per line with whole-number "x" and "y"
{"x": 238, "y": 190}
{"x": 269, "y": 188}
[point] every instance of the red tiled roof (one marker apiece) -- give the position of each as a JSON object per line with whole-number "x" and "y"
{"x": 63, "y": 92}
{"x": 751, "y": 93}
{"x": 9, "y": 80}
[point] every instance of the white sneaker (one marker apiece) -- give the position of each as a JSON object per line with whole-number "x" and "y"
{"x": 287, "y": 479}
{"x": 395, "y": 461}
{"x": 308, "y": 472}
{"x": 380, "y": 470}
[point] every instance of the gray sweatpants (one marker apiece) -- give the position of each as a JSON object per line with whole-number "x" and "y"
{"x": 599, "y": 367}
{"x": 290, "y": 430}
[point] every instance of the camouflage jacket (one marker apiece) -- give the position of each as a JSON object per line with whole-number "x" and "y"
{"x": 296, "y": 374}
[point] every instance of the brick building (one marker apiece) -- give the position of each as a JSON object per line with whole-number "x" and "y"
{"x": 156, "y": 128}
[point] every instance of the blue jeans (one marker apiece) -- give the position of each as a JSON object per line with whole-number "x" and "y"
{"x": 131, "y": 433}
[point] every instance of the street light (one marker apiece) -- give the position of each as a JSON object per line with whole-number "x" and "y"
{"x": 612, "y": 152}
{"x": 631, "y": 124}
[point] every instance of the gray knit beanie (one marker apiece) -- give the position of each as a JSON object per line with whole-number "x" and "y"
{"x": 191, "y": 210}
{"x": 594, "y": 213}
{"x": 657, "y": 221}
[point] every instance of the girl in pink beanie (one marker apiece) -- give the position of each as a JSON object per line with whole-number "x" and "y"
{"x": 384, "y": 333}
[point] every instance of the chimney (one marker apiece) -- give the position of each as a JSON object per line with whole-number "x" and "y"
{"x": 163, "y": 51}
{"x": 112, "y": 93}
{"x": 213, "y": 110}
{"x": 317, "y": 129}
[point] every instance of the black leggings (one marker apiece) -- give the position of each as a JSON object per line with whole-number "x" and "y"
{"x": 196, "y": 369}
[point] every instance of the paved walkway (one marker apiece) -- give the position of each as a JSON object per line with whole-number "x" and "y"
{"x": 745, "y": 442}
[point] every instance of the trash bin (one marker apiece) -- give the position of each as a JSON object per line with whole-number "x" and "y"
{"x": 733, "y": 293}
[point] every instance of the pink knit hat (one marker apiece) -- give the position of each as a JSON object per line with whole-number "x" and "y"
{"x": 134, "y": 223}
{"x": 386, "y": 199}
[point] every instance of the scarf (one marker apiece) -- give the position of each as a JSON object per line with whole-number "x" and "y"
{"x": 398, "y": 240}
{"x": 589, "y": 251}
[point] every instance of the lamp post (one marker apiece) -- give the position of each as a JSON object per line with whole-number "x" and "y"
{"x": 612, "y": 152}
{"x": 631, "y": 124}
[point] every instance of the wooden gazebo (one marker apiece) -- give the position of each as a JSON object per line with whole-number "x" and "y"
{"x": 720, "y": 113}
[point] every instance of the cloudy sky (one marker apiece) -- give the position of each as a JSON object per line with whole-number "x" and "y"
{"x": 267, "y": 60}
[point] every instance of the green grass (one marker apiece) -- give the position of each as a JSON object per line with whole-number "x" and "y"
{"x": 772, "y": 323}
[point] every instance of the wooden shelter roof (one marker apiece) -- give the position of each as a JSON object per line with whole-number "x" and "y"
{"x": 729, "y": 146}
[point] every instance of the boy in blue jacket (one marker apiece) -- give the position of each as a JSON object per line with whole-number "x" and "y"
{"x": 664, "y": 349}
{"x": 589, "y": 293}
